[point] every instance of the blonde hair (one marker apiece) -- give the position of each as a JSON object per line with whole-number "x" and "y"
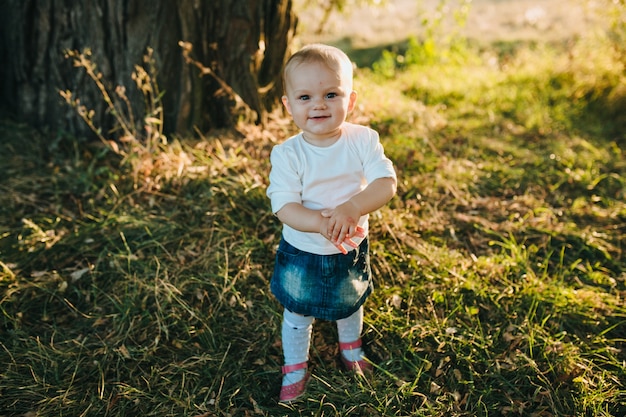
{"x": 334, "y": 58}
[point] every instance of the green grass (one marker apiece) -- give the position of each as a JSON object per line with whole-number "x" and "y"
{"x": 499, "y": 267}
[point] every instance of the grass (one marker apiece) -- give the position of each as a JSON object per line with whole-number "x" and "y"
{"x": 499, "y": 267}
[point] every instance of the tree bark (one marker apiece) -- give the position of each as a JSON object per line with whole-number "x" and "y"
{"x": 242, "y": 42}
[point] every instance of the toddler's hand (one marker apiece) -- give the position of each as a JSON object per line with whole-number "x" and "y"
{"x": 347, "y": 241}
{"x": 342, "y": 221}
{"x": 325, "y": 230}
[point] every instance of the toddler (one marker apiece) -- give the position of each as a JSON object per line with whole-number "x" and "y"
{"x": 324, "y": 182}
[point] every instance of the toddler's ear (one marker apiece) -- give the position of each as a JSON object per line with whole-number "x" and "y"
{"x": 352, "y": 102}
{"x": 285, "y": 101}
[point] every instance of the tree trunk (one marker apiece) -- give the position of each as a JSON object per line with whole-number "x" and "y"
{"x": 240, "y": 43}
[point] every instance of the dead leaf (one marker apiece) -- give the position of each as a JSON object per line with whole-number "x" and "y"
{"x": 76, "y": 275}
{"x": 435, "y": 388}
{"x": 396, "y": 301}
{"x": 257, "y": 410}
{"x": 123, "y": 350}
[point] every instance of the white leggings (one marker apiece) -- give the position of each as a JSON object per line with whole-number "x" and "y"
{"x": 296, "y": 334}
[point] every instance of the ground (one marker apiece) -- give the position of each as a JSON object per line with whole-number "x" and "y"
{"x": 487, "y": 20}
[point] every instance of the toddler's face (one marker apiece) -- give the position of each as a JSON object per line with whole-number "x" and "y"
{"x": 319, "y": 100}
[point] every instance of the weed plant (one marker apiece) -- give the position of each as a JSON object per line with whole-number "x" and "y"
{"x": 499, "y": 267}
{"x": 138, "y": 142}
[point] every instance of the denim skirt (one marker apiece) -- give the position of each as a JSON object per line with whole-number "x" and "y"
{"x": 327, "y": 287}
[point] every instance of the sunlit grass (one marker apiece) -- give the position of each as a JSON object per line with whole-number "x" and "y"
{"x": 499, "y": 267}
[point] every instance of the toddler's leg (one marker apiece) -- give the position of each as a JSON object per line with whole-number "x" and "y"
{"x": 349, "y": 331}
{"x": 296, "y": 338}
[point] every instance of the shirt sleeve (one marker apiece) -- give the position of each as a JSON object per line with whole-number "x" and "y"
{"x": 375, "y": 163}
{"x": 285, "y": 185}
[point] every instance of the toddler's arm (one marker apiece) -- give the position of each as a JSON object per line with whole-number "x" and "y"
{"x": 301, "y": 218}
{"x": 343, "y": 219}
{"x": 307, "y": 220}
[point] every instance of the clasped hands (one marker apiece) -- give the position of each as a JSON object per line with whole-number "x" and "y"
{"x": 340, "y": 225}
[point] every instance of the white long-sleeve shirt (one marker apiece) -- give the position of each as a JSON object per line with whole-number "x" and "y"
{"x": 325, "y": 177}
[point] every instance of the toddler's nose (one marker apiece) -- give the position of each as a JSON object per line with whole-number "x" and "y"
{"x": 320, "y": 104}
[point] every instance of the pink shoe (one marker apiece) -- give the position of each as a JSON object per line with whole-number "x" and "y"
{"x": 359, "y": 367}
{"x": 290, "y": 393}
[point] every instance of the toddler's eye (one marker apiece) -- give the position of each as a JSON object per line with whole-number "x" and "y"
{"x": 331, "y": 95}
{"x": 303, "y": 97}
